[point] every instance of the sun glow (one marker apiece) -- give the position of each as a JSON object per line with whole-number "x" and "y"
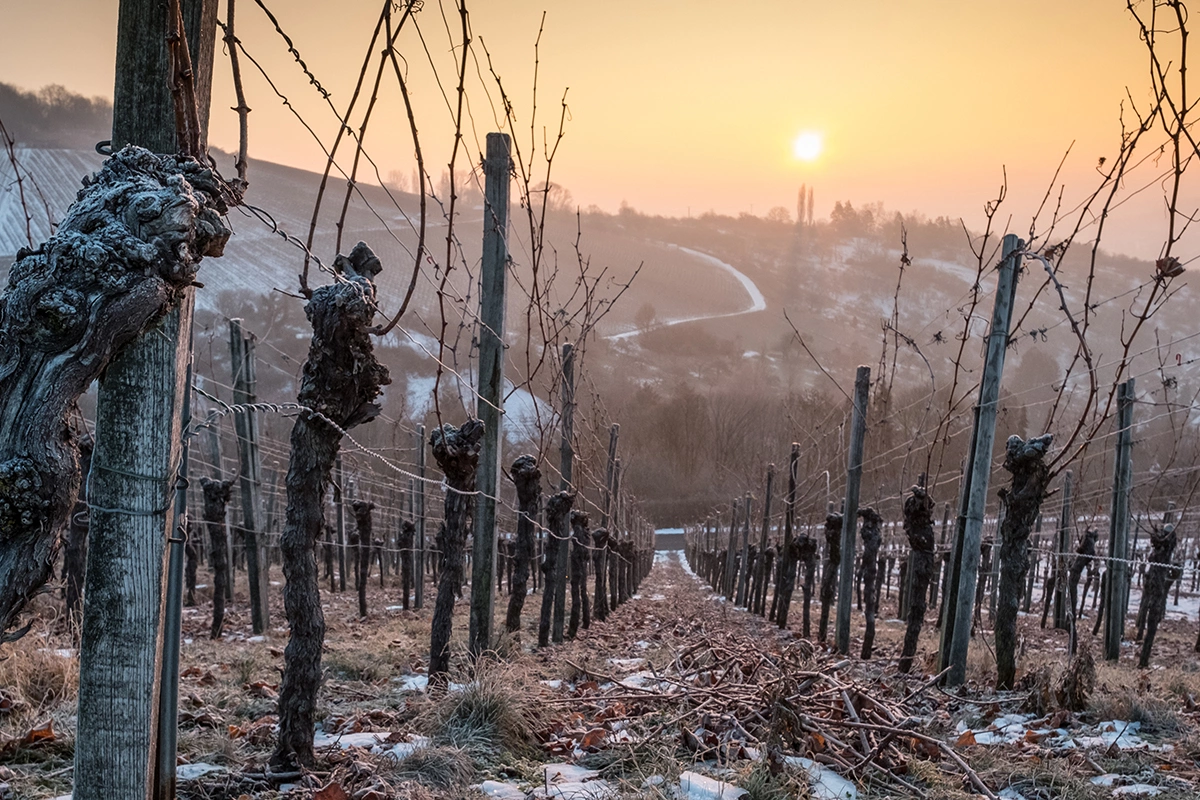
{"x": 808, "y": 146}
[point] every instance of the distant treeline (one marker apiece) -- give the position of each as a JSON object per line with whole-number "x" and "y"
{"x": 54, "y": 116}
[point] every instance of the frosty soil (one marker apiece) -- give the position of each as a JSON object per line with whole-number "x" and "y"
{"x": 633, "y": 709}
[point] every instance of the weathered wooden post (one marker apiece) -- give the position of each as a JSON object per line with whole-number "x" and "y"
{"x": 489, "y": 409}
{"x": 1058, "y": 574}
{"x": 419, "y": 499}
{"x": 786, "y": 580}
{"x": 958, "y": 631}
{"x": 241, "y": 349}
{"x": 727, "y": 585}
{"x": 139, "y": 411}
{"x": 1118, "y": 531}
{"x": 1031, "y": 578}
{"x": 339, "y": 517}
{"x": 562, "y": 533}
{"x": 759, "y": 593}
{"x": 744, "y": 562}
{"x": 858, "y": 433}
{"x": 601, "y": 537}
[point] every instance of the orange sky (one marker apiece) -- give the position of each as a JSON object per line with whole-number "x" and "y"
{"x": 679, "y": 107}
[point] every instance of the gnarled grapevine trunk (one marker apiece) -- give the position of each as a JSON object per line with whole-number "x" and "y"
{"x": 558, "y": 511}
{"x": 340, "y": 383}
{"x": 806, "y": 547}
{"x": 829, "y": 578}
{"x": 872, "y": 536}
{"x": 457, "y": 453}
{"x": 528, "y": 480}
{"x": 766, "y": 560}
{"x": 127, "y": 248}
{"x": 918, "y": 526}
{"x": 191, "y": 554}
{"x": 1085, "y": 555}
{"x": 1158, "y": 585}
{"x": 362, "y": 528}
{"x": 600, "y": 567}
{"x": 1026, "y": 460}
{"x": 580, "y": 540}
{"x": 216, "y": 498}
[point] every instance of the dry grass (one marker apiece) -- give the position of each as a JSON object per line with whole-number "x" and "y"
{"x": 437, "y": 767}
{"x": 489, "y": 717}
{"x": 488, "y": 727}
{"x": 33, "y": 673}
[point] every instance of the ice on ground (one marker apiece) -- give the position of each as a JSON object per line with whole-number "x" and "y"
{"x": 644, "y": 679}
{"x": 375, "y": 742}
{"x": 1005, "y": 729}
{"x": 1123, "y": 734}
{"x": 61, "y": 652}
{"x": 556, "y": 683}
{"x": 571, "y": 782}
{"x": 824, "y": 782}
{"x": 190, "y": 772}
{"x": 347, "y": 740}
{"x": 502, "y": 790}
{"x": 1136, "y": 790}
{"x": 1010, "y": 794}
{"x": 694, "y": 786}
{"x": 419, "y": 683}
{"x": 1019, "y": 727}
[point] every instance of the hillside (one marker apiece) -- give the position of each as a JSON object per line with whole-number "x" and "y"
{"x": 702, "y": 324}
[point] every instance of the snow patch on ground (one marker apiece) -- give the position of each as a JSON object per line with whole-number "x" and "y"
{"x": 419, "y": 683}
{"x": 694, "y": 786}
{"x": 190, "y": 772}
{"x": 376, "y": 742}
{"x": 824, "y": 782}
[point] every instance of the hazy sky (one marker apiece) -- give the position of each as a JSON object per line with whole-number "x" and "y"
{"x": 679, "y": 107}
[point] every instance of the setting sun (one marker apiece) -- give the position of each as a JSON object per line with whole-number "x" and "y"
{"x": 807, "y": 146}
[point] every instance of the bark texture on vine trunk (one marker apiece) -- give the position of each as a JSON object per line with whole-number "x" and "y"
{"x": 918, "y": 526}
{"x": 1158, "y": 585}
{"x": 600, "y": 567}
{"x": 1026, "y": 460}
{"x": 829, "y": 578}
{"x": 340, "y": 384}
{"x": 127, "y": 248}
{"x": 806, "y": 546}
{"x": 580, "y": 541}
{"x": 558, "y": 512}
{"x": 528, "y": 480}
{"x": 872, "y": 537}
{"x": 362, "y": 527}
{"x": 1085, "y": 554}
{"x": 457, "y": 453}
